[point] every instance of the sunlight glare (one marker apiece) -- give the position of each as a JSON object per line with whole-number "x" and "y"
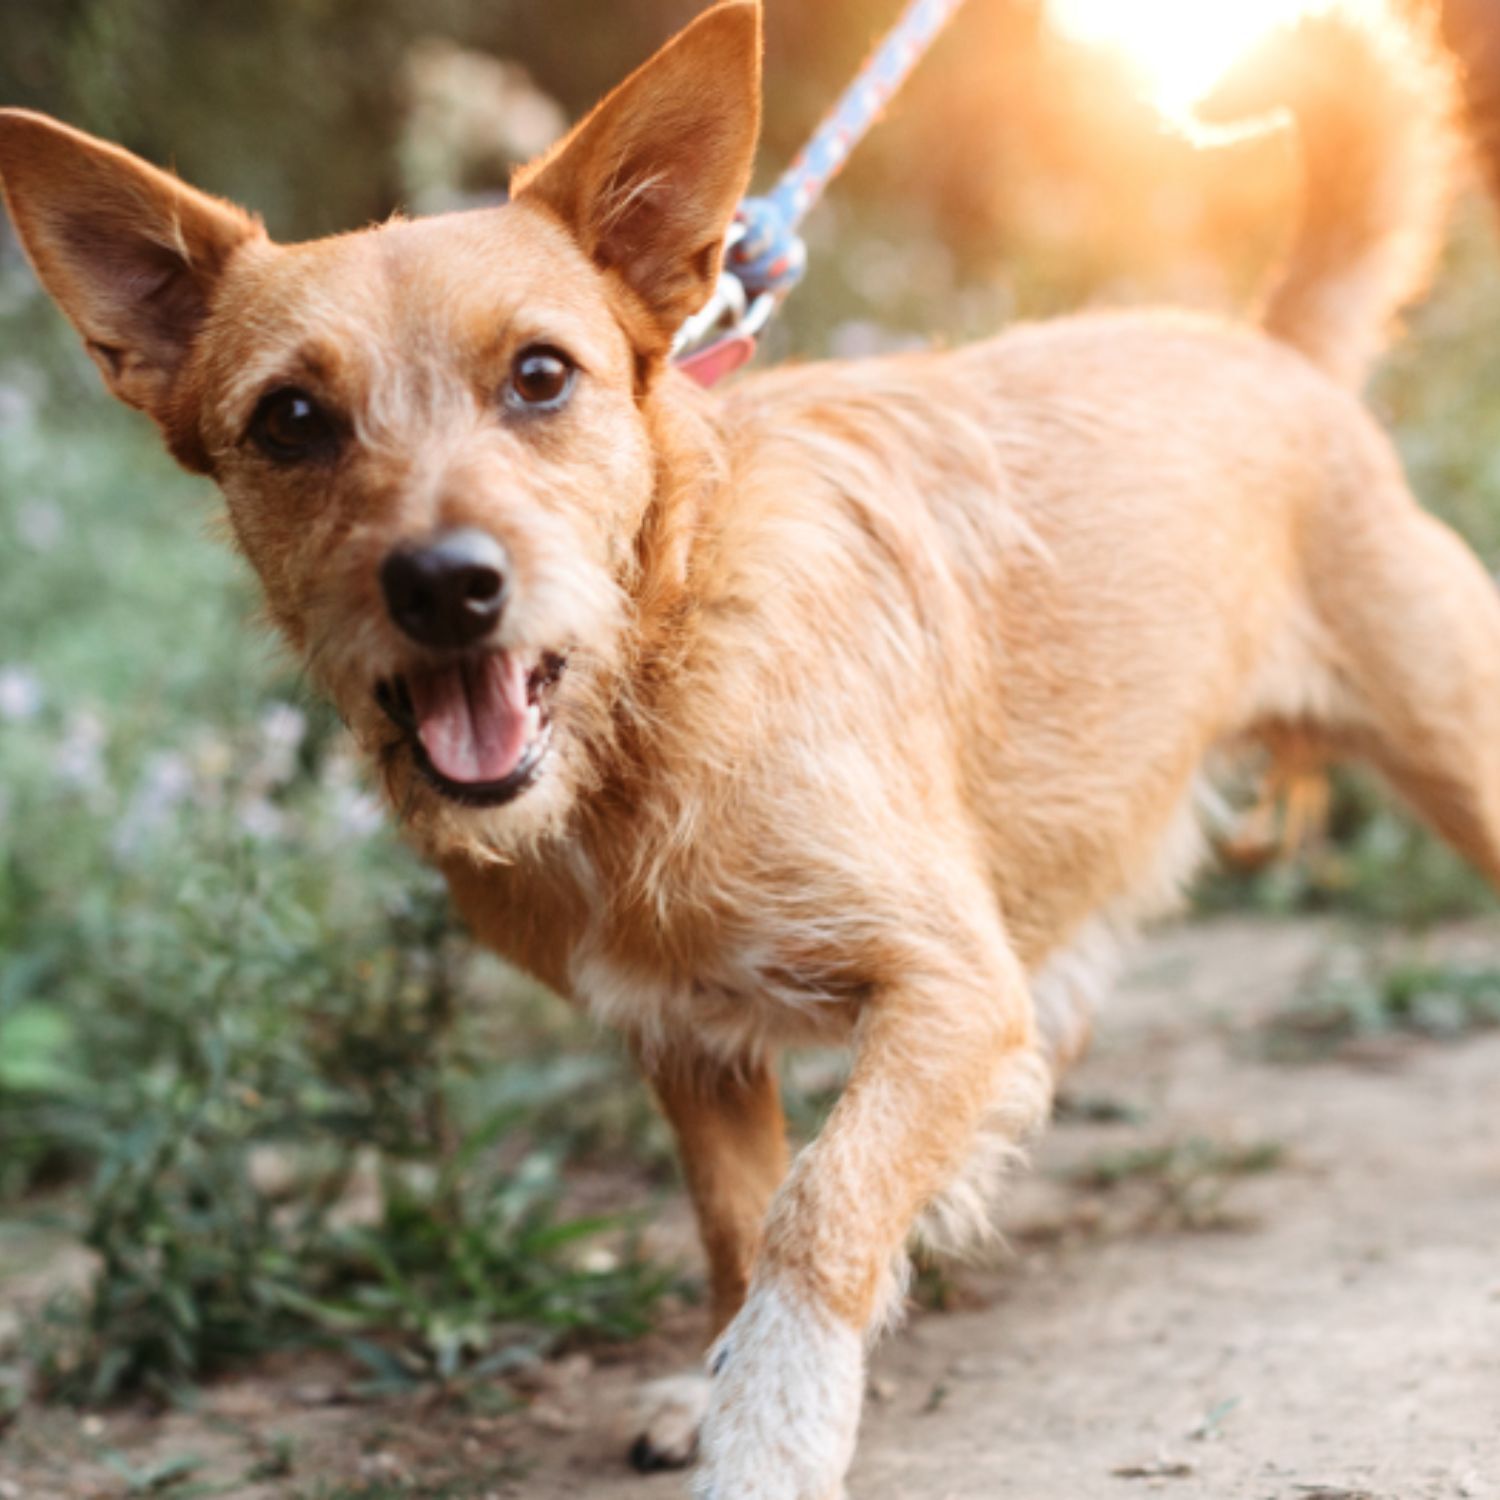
{"x": 1179, "y": 48}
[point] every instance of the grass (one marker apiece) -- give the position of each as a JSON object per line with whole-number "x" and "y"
{"x": 1371, "y": 997}
{"x": 1185, "y": 1184}
{"x": 470, "y": 1487}
{"x": 1180, "y": 1161}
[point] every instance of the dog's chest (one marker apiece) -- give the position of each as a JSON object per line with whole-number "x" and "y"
{"x": 737, "y": 1003}
{"x": 734, "y": 985}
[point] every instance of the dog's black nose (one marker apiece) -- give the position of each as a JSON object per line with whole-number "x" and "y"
{"x": 447, "y": 592}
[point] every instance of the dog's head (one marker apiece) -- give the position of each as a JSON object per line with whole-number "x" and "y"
{"x": 437, "y": 439}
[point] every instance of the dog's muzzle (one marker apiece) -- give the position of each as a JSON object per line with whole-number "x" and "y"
{"x": 475, "y": 717}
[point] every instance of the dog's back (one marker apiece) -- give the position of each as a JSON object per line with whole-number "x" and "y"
{"x": 1083, "y": 554}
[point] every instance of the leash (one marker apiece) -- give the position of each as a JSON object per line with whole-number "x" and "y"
{"x": 765, "y": 255}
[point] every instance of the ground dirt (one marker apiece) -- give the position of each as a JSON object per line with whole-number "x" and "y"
{"x": 1228, "y": 1278}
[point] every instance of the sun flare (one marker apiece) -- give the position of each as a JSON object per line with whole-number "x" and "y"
{"x": 1179, "y": 48}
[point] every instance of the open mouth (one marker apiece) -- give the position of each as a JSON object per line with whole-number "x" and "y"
{"x": 478, "y": 728}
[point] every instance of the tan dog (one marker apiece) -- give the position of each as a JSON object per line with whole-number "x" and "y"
{"x": 864, "y": 703}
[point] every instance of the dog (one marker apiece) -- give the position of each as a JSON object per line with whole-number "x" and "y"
{"x": 861, "y": 703}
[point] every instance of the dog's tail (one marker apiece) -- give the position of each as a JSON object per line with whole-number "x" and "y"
{"x": 1375, "y": 104}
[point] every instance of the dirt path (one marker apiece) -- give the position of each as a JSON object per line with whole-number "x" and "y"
{"x": 1269, "y": 1282}
{"x": 1337, "y": 1333}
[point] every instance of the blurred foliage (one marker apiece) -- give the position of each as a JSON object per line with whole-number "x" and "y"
{"x": 291, "y": 105}
{"x": 1436, "y": 387}
{"x": 1182, "y": 1184}
{"x": 1371, "y": 861}
{"x": 242, "y": 1056}
{"x": 1359, "y": 997}
{"x": 295, "y": 105}
{"x": 1006, "y": 145}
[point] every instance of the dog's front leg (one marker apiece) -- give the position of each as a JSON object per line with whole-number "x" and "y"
{"x": 932, "y": 1058}
{"x": 731, "y": 1137}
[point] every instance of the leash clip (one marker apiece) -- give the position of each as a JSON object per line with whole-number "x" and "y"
{"x": 764, "y": 258}
{"x": 734, "y": 310}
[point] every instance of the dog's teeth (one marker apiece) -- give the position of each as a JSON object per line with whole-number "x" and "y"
{"x": 533, "y": 721}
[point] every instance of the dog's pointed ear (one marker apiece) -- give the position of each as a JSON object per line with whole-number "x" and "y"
{"x": 131, "y": 254}
{"x": 649, "y": 181}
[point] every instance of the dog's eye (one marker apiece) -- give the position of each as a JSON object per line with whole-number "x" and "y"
{"x": 289, "y": 426}
{"x": 541, "y": 379}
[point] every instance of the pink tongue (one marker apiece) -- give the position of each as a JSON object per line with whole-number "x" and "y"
{"x": 471, "y": 718}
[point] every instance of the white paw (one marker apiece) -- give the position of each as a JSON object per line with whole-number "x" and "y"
{"x": 668, "y": 1414}
{"x": 788, "y": 1382}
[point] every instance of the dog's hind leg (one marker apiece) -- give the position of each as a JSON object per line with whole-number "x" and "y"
{"x": 731, "y": 1138}
{"x": 1415, "y": 621}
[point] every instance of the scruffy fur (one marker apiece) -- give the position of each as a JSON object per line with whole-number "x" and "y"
{"x": 889, "y": 684}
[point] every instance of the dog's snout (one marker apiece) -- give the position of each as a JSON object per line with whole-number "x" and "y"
{"x": 449, "y": 591}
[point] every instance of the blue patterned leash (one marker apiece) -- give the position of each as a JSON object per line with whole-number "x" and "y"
{"x": 765, "y": 256}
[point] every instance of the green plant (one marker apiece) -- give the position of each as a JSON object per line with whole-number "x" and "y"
{"x": 1379, "y": 997}
{"x": 1185, "y": 1183}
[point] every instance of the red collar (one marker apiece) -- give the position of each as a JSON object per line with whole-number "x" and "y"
{"x": 710, "y": 365}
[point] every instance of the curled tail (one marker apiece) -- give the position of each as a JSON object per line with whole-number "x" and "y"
{"x": 1375, "y": 103}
